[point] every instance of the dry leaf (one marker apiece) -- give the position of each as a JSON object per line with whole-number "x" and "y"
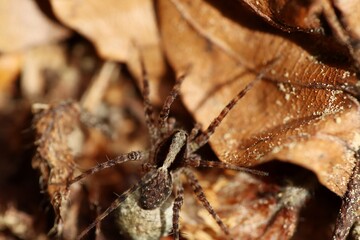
{"x": 290, "y": 15}
{"x": 22, "y": 25}
{"x": 319, "y": 17}
{"x": 58, "y": 140}
{"x": 118, "y": 29}
{"x": 300, "y": 114}
{"x": 349, "y": 17}
{"x": 304, "y": 111}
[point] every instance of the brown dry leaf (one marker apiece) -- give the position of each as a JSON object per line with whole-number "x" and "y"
{"x": 118, "y": 29}
{"x": 349, "y": 16}
{"x": 347, "y": 28}
{"x": 301, "y": 114}
{"x": 290, "y": 15}
{"x": 317, "y": 16}
{"x": 58, "y": 141}
{"x": 22, "y": 24}
{"x": 304, "y": 111}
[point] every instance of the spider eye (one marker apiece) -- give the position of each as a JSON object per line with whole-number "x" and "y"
{"x": 156, "y": 190}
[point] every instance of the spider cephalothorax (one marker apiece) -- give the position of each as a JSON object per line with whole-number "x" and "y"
{"x": 172, "y": 152}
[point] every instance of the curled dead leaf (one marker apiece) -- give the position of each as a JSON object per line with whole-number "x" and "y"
{"x": 304, "y": 111}
{"x": 22, "y": 25}
{"x": 56, "y": 131}
{"x": 290, "y": 15}
{"x": 349, "y": 17}
{"x": 118, "y": 30}
{"x": 300, "y": 114}
{"x": 331, "y": 19}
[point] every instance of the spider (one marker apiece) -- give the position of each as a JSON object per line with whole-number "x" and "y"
{"x": 172, "y": 152}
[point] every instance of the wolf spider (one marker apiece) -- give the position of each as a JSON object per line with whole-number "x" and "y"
{"x": 172, "y": 152}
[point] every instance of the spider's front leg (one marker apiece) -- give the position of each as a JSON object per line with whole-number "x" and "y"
{"x": 131, "y": 156}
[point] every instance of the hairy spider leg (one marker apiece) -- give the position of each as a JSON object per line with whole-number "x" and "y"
{"x": 195, "y": 161}
{"x": 203, "y": 137}
{"x": 148, "y": 107}
{"x": 131, "y": 156}
{"x": 178, "y": 202}
{"x": 165, "y": 111}
{"x": 199, "y": 192}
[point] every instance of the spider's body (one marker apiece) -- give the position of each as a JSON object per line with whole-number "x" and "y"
{"x": 159, "y": 186}
{"x": 172, "y": 152}
{"x": 135, "y": 222}
{"x": 147, "y": 213}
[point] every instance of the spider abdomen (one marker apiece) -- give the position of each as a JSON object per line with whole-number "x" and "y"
{"x": 136, "y": 223}
{"x": 156, "y": 189}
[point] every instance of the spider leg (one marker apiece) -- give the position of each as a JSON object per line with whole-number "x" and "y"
{"x": 111, "y": 208}
{"x": 195, "y": 161}
{"x": 199, "y": 192}
{"x": 131, "y": 156}
{"x": 164, "y": 113}
{"x": 194, "y": 132}
{"x": 148, "y": 108}
{"x": 178, "y": 202}
{"x": 203, "y": 138}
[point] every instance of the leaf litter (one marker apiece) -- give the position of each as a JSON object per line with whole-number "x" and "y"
{"x": 304, "y": 113}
